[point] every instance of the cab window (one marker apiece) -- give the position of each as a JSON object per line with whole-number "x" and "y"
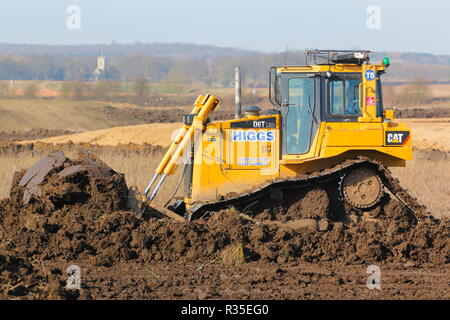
{"x": 299, "y": 117}
{"x": 343, "y": 97}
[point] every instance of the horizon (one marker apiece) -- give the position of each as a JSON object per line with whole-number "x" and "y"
{"x": 206, "y": 45}
{"x": 379, "y": 26}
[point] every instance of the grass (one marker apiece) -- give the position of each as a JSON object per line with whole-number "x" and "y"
{"x": 427, "y": 180}
{"x": 19, "y": 114}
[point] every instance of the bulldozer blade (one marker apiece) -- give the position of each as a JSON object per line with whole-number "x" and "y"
{"x": 140, "y": 205}
{"x": 166, "y": 212}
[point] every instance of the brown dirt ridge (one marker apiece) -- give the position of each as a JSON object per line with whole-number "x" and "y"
{"x": 31, "y": 134}
{"x": 65, "y": 209}
{"x": 423, "y": 113}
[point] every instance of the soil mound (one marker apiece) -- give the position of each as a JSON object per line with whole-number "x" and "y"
{"x": 423, "y": 113}
{"x": 63, "y": 207}
{"x": 392, "y": 238}
{"x": 76, "y": 209}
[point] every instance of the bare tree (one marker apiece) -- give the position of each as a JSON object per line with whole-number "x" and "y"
{"x": 420, "y": 91}
{"x": 102, "y": 90}
{"x": 390, "y": 96}
{"x": 4, "y": 89}
{"x": 80, "y": 91}
{"x": 415, "y": 93}
{"x": 140, "y": 90}
{"x": 66, "y": 90}
{"x": 30, "y": 91}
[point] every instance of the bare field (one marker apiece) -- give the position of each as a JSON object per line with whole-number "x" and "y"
{"x": 431, "y": 133}
{"x": 154, "y": 134}
{"x": 20, "y": 114}
{"x": 428, "y": 181}
{"x": 440, "y": 90}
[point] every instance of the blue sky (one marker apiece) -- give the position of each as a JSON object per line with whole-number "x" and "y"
{"x": 419, "y": 26}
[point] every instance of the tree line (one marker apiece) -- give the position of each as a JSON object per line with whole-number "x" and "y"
{"x": 217, "y": 70}
{"x": 416, "y": 93}
{"x": 127, "y": 68}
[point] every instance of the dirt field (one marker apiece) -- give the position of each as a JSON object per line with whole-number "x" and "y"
{"x": 157, "y": 134}
{"x": 22, "y": 114}
{"x": 260, "y": 280}
{"x": 79, "y": 216}
{"x": 430, "y": 134}
{"x": 55, "y": 114}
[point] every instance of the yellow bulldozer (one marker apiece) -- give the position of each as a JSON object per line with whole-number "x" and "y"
{"x": 328, "y": 131}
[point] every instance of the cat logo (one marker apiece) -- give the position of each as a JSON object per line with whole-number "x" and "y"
{"x": 396, "y": 138}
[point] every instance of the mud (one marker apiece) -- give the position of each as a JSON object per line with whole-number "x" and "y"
{"x": 44, "y": 149}
{"x": 290, "y": 205}
{"x": 21, "y": 279}
{"x": 143, "y": 115}
{"x": 259, "y": 280}
{"x": 56, "y": 207}
{"x": 31, "y": 134}
{"x": 79, "y": 214}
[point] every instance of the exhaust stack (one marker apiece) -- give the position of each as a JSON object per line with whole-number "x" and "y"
{"x": 237, "y": 93}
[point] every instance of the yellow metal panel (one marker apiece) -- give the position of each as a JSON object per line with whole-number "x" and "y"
{"x": 353, "y": 134}
{"x": 217, "y": 170}
{"x": 313, "y": 151}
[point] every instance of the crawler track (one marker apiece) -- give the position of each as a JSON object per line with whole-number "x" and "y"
{"x": 315, "y": 179}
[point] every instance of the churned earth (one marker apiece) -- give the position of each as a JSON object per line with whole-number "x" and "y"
{"x": 64, "y": 212}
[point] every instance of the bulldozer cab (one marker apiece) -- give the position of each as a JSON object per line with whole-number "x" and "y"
{"x": 334, "y": 86}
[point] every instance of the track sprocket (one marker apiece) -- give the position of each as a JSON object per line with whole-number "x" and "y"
{"x": 362, "y": 188}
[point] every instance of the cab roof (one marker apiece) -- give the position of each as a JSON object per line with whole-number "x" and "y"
{"x": 332, "y": 57}
{"x": 336, "y": 68}
{"x": 332, "y": 61}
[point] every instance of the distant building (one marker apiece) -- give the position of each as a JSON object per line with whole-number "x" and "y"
{"x": 101, "y": 67}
